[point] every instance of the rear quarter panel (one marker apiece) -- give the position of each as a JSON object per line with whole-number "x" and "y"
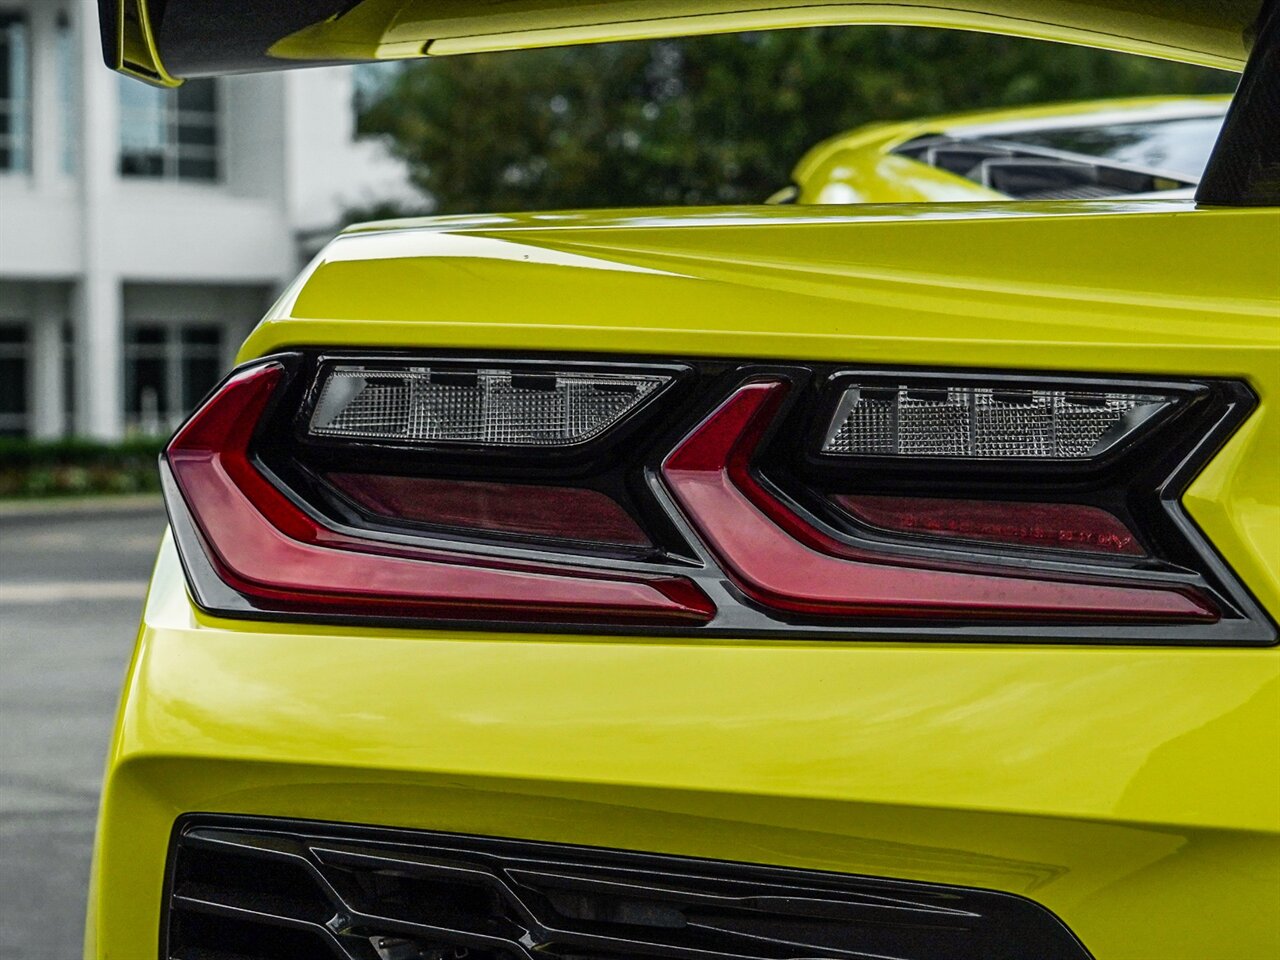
{"x": 1135, "y": 791}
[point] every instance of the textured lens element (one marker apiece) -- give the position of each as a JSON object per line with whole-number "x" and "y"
{"x": 990, "y": 423}
{"x": 257, "y": 542}
{"x": 783, "y": 561}
{"x": 486, "y": 406}
{"x": 562, "y": 513}
{"x": 1051, "y": 526}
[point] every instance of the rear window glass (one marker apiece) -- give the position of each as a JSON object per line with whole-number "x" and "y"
{"x": 1172, "y": 146}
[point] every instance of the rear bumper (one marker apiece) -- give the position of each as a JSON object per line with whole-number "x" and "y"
{"x": 1134, "y": 792}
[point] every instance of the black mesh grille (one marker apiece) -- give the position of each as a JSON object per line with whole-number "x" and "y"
{"x": 251, "y": 889}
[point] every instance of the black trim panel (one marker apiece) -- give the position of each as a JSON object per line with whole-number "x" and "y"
{"x": 264, "y": 889}
{"x": 1244, "y": 168}
{"x": 213, "y": 37}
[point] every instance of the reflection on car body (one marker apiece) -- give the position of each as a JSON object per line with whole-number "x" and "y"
{"x": 766, "y": 582}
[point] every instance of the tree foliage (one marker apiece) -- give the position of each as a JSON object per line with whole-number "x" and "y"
{"x": 718, "y": 119}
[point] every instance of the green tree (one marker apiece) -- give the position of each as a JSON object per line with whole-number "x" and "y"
{"x": 718, "y": 119}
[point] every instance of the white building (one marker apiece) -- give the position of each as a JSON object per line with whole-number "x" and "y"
{"x": 144, "y": 231}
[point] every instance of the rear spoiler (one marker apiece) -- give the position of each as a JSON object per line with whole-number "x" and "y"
{"x": 164, "y": 41}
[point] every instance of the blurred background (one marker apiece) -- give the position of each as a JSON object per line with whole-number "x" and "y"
{"x": 143, "y": 232}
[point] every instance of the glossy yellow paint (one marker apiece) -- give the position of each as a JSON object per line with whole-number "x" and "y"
{"x": 858, "y": 167}
{"x": 1214, "y": 34}
{"x": 871, "y": 175}
{"x": 383, "y": 29}
{"x": 1134, "y": 791}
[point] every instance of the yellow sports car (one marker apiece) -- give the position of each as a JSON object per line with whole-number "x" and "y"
{"x": 1148, "y": 147}
{"x": 786, "y": 582}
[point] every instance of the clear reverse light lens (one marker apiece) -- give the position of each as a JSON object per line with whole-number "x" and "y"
{"x": 985, "y": 422}
{"x": 486, "y": 406}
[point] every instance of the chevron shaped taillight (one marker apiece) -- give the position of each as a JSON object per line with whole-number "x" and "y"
{"x": 726, "y": 498}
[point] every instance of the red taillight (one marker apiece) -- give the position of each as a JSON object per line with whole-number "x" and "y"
{"x": 269, "y": 550}
{"x": 1055, "y": 526}
{"x": 536, "y": 510}
{"x": 807, "y": 500}
{"x": 785, "y": 563}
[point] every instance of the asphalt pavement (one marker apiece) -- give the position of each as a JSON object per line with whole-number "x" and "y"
{"x": 71, "y": 587}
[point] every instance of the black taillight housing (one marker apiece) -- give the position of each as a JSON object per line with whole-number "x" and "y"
{"x": 715, "y": 497}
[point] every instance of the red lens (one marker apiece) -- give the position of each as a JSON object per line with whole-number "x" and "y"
{"x": 1055, "y": 526}
{"x": 563, "y": 513}
{"x": 783, "y": 562}
{"x": 264, "y": 546}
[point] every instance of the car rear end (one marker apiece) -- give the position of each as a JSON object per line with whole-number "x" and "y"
{"x": 535, "y": 557}
{"x": 892, "y": 581}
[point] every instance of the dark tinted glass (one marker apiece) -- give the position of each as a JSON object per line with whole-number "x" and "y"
{"x": 197, "y": 168}
{"x": 13, "y": 380}
{"x": 15, "y": 91}
{"x": 199, "y": 374}
{"x": 1176, "y": 146}
{"x": 198, "y": 95}
{"x": 13, "y": 395}
{"x": 198, "y": 134}
{"x": 146, "y": 334}
{"x": 202, "y": 336}
{"x": 13, "y": 33}
{"x": 140, "y": 164}
{"x": 145, "y": 386}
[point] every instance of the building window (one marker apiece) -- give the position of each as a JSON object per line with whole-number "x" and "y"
{"x": 172, "y": 134}
{"x": 15, "y": 352}
{"x": 68, "y": 74}
{"x": 15, "y": 92}
{"x": 168, "y": 370}
{"x": 68, "y": 376}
